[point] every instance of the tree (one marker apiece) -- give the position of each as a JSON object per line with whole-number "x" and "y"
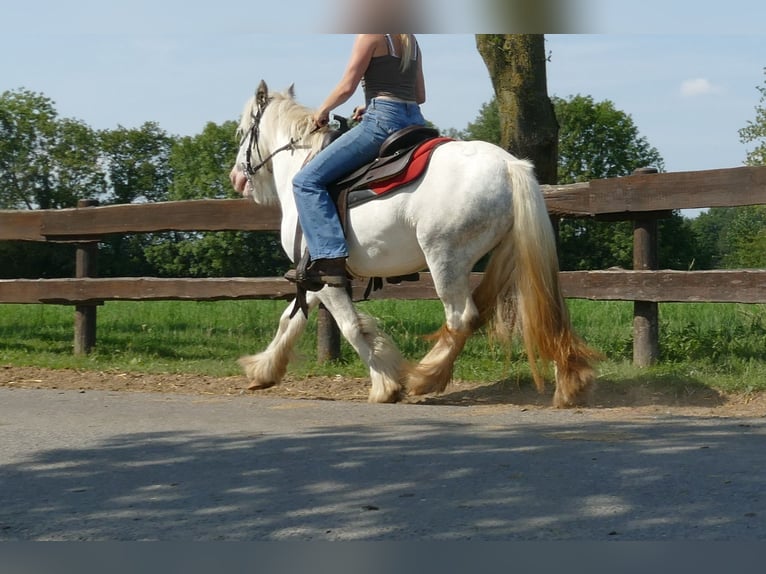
{"x": 735, "y": 237}
{"x": 528, "y": 127}
{"x": 75, "y": 171}
{"x": 199, "y": 163}
{"x": 45, "y": 162}
{"x": 755, "y": 131}
{"x": 599, "y": 141}
{"x": 137, "y": 163}
{"x": 747, "y": 234}
{"x": 486, "y": 126}
{"x": 742, "y": 240}
{"x": 200, "y": 166}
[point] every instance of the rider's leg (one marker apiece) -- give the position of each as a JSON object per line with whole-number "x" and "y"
{"x": 316, "y": 211}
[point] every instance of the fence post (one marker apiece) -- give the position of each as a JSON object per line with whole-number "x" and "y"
{"x": 86, "y": 256}
{"x": 646, "y": 321}
{"x": 328, "y": 337}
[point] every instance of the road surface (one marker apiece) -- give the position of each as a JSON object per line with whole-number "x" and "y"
{"x": 133, "y": 466}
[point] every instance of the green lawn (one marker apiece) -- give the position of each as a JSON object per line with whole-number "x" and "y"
{"x": 722, "y": 346}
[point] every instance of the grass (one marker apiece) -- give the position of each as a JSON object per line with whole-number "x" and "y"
{"x": 721, "y": 346}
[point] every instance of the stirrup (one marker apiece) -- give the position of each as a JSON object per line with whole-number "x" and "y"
{"x": 302, "y": 275}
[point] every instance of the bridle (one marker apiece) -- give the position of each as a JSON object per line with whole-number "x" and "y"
{"x": 252, "y": 142}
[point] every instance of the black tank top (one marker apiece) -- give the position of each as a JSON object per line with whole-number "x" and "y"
{"x": 384, "y": 75}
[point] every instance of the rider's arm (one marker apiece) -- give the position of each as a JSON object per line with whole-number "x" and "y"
{"x": 361, "y": 54}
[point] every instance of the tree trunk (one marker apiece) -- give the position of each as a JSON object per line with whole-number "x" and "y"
{"x": 516, "y": 64}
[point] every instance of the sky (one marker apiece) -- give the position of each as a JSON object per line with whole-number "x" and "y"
{"x": 686, "y": 72}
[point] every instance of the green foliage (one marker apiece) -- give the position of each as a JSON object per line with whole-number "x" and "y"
{"x": 27, "y": 131}
{"x": 75, "y": 170}
{"x": 137, "y": 163}
{"x": 732, "y": 237}
{"x": 726, "y": 339}
{"x": 486, "y": 126}
{"x": 48, "y": 162}
{"x": 736, "y": 237}
{"x": 45, "y": 162}
{"x": 755, "y": 131}
{"x": 27, "y": 260}
{"x": 220, "y": 254}
{"x": 596, "y": 141}
{"x": 586, "y": 244}
{"x": 124, "y": 256}
{"x": 722, "y": 346}
{"x": 200, "y": 166}
{"x": 678, "y": 245}
{"x": 747, "y": 236}
{"x": 200, "y": 163}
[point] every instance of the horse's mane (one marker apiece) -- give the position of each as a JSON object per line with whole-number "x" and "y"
{"x": 296, "y": 118}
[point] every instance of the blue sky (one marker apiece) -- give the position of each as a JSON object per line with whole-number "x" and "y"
{"x": 689, "y": 86}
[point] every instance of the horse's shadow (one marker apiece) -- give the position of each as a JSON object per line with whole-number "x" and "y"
{"x": 643, "y": 391}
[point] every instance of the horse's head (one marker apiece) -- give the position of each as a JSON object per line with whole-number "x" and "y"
{"x": 251, "y": 176}
{"x": 270, "y": 124}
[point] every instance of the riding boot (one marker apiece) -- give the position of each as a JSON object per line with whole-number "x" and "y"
{"x": 319, "y": 273}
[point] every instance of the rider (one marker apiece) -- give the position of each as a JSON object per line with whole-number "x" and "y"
{"x": 390, "y": 68}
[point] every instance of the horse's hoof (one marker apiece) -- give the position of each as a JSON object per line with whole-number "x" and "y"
{"x": 260, "y": 386}
{"x": 390, "y": 398}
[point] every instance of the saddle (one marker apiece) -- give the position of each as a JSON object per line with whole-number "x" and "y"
{"x": 395, "y": 156}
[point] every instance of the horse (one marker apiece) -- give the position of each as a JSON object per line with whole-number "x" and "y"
{"x": 475, "y": 198}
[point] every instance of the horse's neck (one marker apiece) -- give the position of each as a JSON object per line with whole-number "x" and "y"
{"x": 286, "y": 165}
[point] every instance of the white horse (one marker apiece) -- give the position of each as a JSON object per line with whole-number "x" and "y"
{"x": 474, "y": 198}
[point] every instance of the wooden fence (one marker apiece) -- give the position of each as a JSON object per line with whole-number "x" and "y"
{"x": 643, "y": 197}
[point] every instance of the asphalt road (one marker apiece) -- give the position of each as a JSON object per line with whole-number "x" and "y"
{"x": 111, "y": 466}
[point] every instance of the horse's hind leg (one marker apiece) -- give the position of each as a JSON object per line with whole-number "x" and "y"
{"x": 267, "y": 368}
{"x": 375, "y": 348}
{"x": 434, "y": 371}
{"x": 575, "y": 374}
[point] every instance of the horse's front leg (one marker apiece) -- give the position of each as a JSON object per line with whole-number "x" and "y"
{"x": 267, "y": 368}
{"x": 375, "y": 348}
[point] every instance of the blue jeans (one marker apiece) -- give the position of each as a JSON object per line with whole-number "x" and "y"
{"x": 360, "y": 145}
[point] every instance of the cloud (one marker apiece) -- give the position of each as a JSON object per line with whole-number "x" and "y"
{"x": 698, "y": 87}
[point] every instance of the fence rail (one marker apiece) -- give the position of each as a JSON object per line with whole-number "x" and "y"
{"x": 643, "y": 197}
{"x": 624, "y": 197}
{"x": 614, "y": 285}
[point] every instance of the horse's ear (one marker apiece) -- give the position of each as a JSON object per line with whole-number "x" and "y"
{"x": 262, "y": 94}
{"x": 291, "y": 91}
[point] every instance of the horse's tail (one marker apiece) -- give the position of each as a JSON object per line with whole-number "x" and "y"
{"x": 521, "y": 289}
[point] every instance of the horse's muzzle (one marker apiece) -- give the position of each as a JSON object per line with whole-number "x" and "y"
{"x": 239, "y": 181}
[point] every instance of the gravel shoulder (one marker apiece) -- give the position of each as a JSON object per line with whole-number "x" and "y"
{"x": 608, "y": 401}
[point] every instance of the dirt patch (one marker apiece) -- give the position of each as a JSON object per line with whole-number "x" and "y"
{"x": 608, "y": 400}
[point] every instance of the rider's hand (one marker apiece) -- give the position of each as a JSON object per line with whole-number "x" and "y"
{"x": 321, "y": 118}
{"x": 358, "y": 113}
